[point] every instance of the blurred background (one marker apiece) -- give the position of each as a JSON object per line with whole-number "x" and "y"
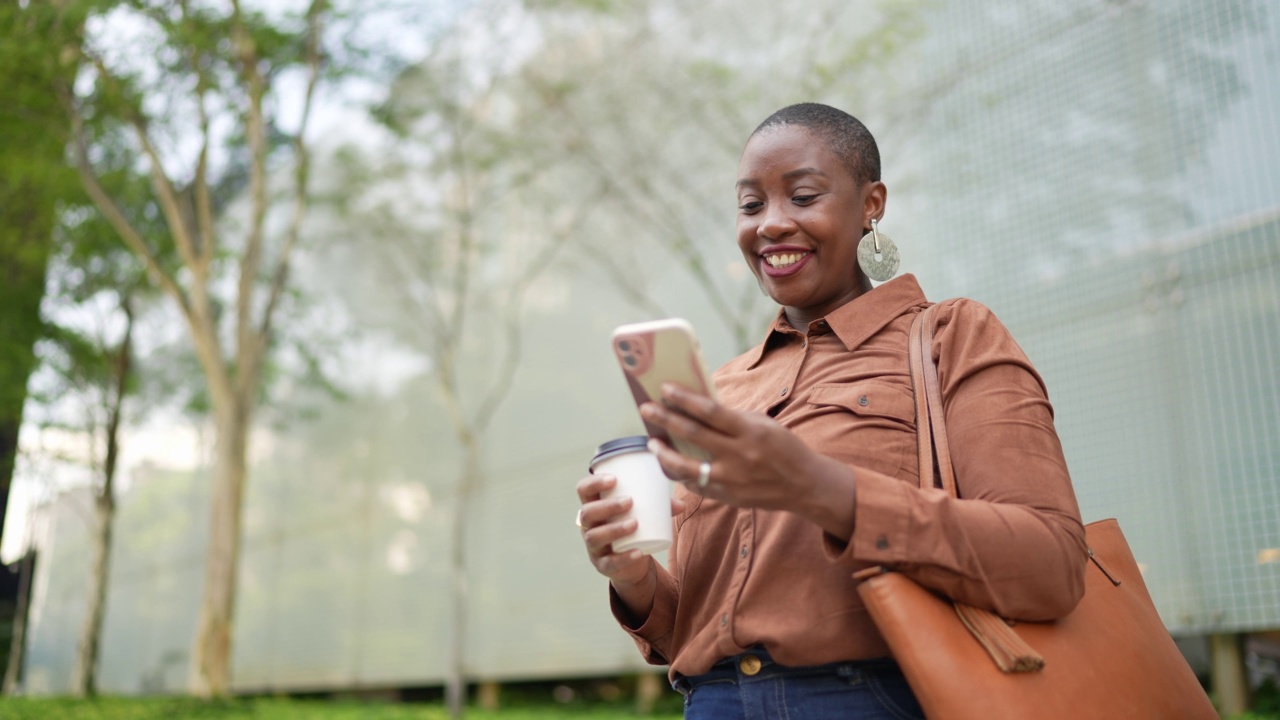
{"x": 377, "y": 250}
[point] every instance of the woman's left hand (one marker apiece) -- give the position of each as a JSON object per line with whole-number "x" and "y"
{"x": 755, "y": 461}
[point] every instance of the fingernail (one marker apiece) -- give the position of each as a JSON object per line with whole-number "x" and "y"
{"x": 653, "y": 446}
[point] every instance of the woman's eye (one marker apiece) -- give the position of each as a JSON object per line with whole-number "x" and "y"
{"x": 750, "y": 206}
{"x": 803, "y": 199}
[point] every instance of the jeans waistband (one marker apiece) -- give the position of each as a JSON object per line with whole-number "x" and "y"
{"x": 730, "y": 670}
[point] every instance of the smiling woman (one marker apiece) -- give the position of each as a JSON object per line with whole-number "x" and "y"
{"x": 801, "y": 215}
{"x": 814, "y": 474}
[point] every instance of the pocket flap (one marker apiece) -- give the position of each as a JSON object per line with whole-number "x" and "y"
{"x": 868, "y": 398}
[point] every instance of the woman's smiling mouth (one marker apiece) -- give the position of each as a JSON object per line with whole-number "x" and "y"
{"x": 781, "y": 264}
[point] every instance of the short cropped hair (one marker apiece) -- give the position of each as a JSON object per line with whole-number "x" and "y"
{"x": 847, "y": 137}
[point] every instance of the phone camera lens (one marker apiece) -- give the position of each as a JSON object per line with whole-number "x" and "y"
{"x": 630, "y": 360}
{"x": 624, "y": 346}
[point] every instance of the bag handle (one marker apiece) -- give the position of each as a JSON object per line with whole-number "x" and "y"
{"x": 931, "y": 426}
{"x": 1009, "y": 651}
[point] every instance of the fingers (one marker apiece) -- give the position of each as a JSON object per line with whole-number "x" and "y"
{"x": 684, "y": 427}
{"x": 600, "y": 517}
{"x": 630, "y": 566}
{"x": 678, "y": 467}
{"x": 706, "y": 411}
{"x": 602, "y": 524}
{"x": 697, "y": 419}
{"x": 592, "y": 487}
{"x": 600, "y": 512}
{"x": 599, "y": 539}
{"x": 626, "y": 566}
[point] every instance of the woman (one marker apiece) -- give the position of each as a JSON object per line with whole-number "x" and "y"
{"x": 814, "y": 470}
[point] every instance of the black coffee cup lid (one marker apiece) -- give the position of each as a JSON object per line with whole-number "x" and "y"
{"x": 630, "y": 443}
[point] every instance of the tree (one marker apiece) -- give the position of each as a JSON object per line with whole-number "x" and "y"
{"x": 86, "y": 373}
{"x": 100, "y": 370}
{"x": 93, "y": 276}
{"x": 207, "y": 121}
{"x": 464, "y": 252}
{"x": 34, "y": 179}
{"x": 660, "y": 121}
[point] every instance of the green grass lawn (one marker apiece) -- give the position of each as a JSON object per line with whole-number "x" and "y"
{"x": 279, "y": 709}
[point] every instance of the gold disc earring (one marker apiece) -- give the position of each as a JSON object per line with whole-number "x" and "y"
{"x": 877, "y": 255}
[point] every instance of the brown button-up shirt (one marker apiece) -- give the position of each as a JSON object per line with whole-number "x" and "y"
{"x": 740, "y": 577}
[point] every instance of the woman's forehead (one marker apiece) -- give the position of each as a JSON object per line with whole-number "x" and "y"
{"x": 783, "y": 149}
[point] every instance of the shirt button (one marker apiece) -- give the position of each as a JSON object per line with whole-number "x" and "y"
{"x": 784, "y": 391}
{"x": 749, "y": 665}
{"x": 724, "y": 620}
{"x": 744, "y": 551}
{"x": 863, "y": 401}
{"x": 882, "y": 543}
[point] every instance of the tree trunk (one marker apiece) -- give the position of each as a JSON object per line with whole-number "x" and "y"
{"x": 211, "y": 655}
{"x": 18, "y": 645}
{"x": 32, "y": 183}
{"x": 456, "y": 687}
{"x": 84, "y": 675}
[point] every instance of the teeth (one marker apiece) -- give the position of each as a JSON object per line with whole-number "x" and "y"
{"x": 784, "y": 259}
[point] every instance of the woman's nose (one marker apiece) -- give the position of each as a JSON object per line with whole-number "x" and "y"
{"x": 776, "y": 223}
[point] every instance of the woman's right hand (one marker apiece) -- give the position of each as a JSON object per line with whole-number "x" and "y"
{"x": 602, "y": 524}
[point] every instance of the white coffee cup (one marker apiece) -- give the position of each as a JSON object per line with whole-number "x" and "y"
{"x": 640, "y": 478}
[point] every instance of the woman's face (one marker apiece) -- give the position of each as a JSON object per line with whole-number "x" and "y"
{"x": 800, "y": 217}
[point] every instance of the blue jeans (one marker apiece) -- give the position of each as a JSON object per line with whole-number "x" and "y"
{"x": 862, "y": 690}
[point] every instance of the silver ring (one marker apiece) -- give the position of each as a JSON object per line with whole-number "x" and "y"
{"x": 704, "y": 474}
{"x": 578, "y": 520}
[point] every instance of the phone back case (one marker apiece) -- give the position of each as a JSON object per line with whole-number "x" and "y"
{"x": 652, "y": 353}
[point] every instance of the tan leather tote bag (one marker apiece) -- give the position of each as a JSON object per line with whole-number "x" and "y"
{"x": 1110, "y": 658}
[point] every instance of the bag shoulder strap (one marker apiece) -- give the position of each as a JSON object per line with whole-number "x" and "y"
{"x": 931, "y": 426}
{"x": 1006, "y": 648}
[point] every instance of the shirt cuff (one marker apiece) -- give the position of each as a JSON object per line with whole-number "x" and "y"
{"x": 653, "y": 636}
{"x": 881, "y": 522}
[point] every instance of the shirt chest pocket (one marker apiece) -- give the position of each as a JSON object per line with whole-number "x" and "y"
{"x": 868, "y": 424}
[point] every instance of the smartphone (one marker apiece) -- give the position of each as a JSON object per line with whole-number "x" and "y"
{"x": 659, "y": 351}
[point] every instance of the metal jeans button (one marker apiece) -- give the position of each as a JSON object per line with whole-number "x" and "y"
{"x": 749, "y": 665}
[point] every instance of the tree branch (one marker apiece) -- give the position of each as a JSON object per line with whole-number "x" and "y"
{"x": 123, "y": 367}
{"x": 203, "y": 202}
{"x": 256, "y": 134}
{"x": 466, "y": 237}
{"x": 514, "y": 333}
{"x": 107, "y": 206}
{"x": 160, "y": 181}
{"x": 622, "y": 279}
{"x": 301, "y": 177}
{"x": 657, "y": 210}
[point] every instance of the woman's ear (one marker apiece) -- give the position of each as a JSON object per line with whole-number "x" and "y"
{"x": 874, "y": 197}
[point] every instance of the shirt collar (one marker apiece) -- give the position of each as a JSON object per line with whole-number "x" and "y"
{"x": 860, "y": 318}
